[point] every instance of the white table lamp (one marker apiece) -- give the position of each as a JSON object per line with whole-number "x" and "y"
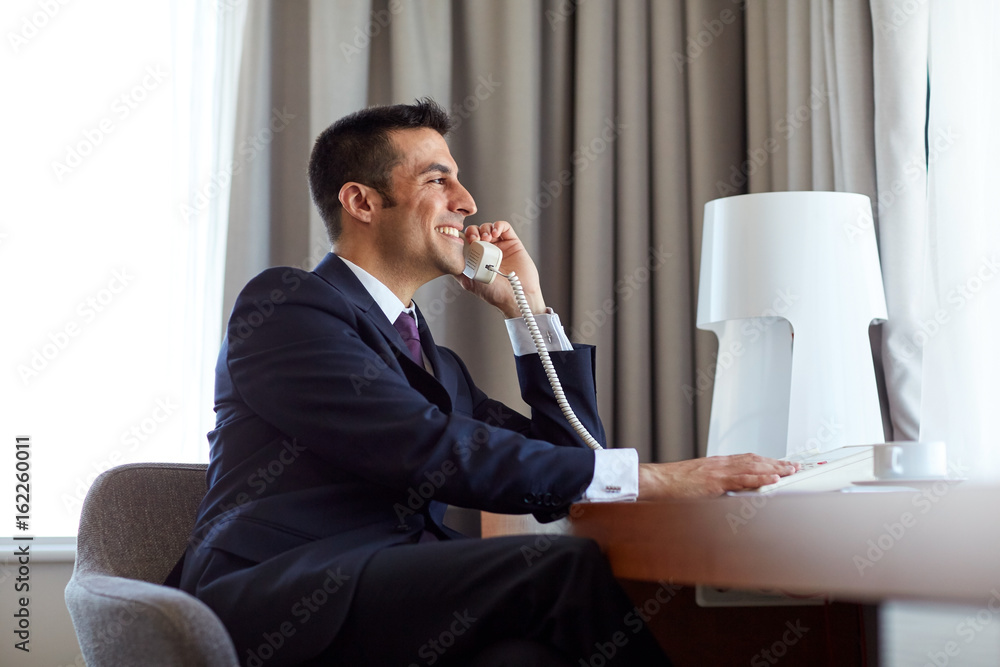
{"x": 779, "y": 263}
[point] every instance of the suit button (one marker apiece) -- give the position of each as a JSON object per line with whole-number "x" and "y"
{"x": 548, "y": 499}
{"x": 529, "y": 498}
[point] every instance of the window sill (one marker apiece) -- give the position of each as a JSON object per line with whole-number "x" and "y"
{"x": 41, "y": 550}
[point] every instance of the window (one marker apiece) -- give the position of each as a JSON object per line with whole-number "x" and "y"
{"x": 112, "y": 273}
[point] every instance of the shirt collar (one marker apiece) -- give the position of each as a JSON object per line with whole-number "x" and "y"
{"x": 388, "y": 302}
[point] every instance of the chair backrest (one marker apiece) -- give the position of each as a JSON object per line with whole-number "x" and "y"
{"x": 137, "y": 518}
{"x": 135, "y": 524}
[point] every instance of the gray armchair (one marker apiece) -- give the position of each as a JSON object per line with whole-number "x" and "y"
{"x": 135, "y": 524}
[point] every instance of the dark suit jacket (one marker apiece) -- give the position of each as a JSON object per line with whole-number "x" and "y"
{"x": 331, "y": 444}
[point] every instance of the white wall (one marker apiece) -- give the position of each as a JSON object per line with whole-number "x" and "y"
{"x": 922, "y": 634}
{"x": 52, "y": 640}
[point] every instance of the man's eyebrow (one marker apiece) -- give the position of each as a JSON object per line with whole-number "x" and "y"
{"x": 437, "y": 166}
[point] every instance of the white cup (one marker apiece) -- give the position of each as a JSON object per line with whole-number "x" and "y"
{"x": 910, "y": 460}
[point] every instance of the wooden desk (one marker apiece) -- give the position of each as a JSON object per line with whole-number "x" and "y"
{"x": 942, "y": 543}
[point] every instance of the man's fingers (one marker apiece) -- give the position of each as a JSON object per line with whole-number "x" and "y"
{"x": 756, "y": 464}
{"x": 752, "y": 481}
{"x": 503, "y": 230}
{"x": 491, "y": 232}
{"x": 778, "y": 468}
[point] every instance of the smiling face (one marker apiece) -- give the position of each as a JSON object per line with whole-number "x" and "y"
{"x": 421, "y": 235}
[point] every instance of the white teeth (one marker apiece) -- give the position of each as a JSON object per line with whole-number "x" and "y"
{"x": 449, "y": 231}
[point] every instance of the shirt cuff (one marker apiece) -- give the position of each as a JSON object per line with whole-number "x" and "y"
{"x": 616, "y": 476}
{"x": 548, "y": 323}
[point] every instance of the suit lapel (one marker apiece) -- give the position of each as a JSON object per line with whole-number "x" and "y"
{"x": 444, "y": 375}
{"x": 333, "y": 270}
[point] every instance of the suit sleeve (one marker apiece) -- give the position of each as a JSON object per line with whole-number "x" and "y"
{"x": 300, "y": 357}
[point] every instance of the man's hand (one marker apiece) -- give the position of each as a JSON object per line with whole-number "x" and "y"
{"x": 515, "y": 258}
{"x": 708, "y": 477}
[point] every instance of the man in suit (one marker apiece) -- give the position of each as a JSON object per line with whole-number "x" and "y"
{"x": 343, "y": 432}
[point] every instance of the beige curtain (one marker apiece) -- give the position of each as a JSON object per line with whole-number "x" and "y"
{"x": 598, "y": 129}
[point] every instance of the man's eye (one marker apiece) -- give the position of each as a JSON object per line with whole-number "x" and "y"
{"x": 439, "y": 181}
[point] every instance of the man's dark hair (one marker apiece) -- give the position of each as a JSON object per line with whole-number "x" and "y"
{"x": 358, "y": 148}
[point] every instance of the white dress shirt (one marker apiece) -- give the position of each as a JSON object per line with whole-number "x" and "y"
{"x": 616, "y": 471}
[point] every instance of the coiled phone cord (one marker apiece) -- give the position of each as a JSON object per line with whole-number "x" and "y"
{"x": 543, "y": 354}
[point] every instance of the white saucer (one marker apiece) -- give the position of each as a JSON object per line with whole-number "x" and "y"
{"x": 913, "y": 483}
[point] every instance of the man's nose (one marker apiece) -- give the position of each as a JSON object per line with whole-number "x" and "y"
{"x": 463, "y": 202}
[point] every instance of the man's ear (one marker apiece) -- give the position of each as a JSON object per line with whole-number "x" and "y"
{"x": 359, "y": 201}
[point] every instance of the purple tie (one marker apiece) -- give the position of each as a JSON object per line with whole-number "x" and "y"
{"x": 407, "y": 328}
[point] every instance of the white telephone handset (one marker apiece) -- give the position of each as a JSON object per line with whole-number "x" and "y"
{"x": 482, "y": 260}
{"x": 482, "y": 263}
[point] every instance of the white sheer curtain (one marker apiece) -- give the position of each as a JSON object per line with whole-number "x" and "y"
{"x": 899, "y": 61}
{"x": 207, "y": 47}
{"x": 960, "y": 328}
{"x": 114, "y": 209}
{"x": 937, "y": 95}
